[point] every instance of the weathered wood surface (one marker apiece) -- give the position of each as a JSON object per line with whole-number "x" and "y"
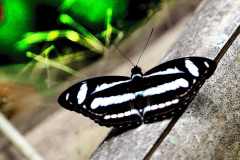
{"x": 210, "y": 127}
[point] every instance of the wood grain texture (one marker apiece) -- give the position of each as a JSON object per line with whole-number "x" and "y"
{"x": 210, "y": 127}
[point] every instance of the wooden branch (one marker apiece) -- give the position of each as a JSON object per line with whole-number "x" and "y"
{"x": 210, "y": 127}
{"x": 17, "y": 139}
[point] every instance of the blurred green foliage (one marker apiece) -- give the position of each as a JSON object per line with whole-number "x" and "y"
{"x": 61, "y": 35}
{"x": 96, "y": 21}
{"x": 94, "y": 11}
{"x": 15, "y": 22}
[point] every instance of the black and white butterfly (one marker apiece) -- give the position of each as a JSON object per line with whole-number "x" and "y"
{"x": 158, "y": 94}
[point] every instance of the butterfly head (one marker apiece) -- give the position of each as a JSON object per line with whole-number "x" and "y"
{"x": 136, "y": 72}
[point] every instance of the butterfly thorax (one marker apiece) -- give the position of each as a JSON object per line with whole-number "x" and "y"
{"x": 136, "y": 72}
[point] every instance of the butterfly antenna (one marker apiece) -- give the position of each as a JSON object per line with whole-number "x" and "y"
{"x": 145, "y": 46}
{"x": 123, "y": 55}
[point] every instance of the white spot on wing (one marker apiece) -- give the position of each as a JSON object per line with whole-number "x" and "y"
{"x": 107, "y": 117}
{"x": 206, "y": 64}
{"x": 154, "y": 107}
{"x": 175, "y": 101}
{"x": 134, "y": 111}
{"x": 128, "y": 113}
{"x": 194, "y": 81}
{"x": 168, "y": 103}
{"x": 148, "y": 108}
{"x": 114, "y": 116}
{"x": 182, "y": 82}
{"x": 192, "y": 68}
{"x": 161, "y": 105}
{"x": 82, "y": 93}
{"x": 120, "y": 115}
{"x": 67, "y": 96}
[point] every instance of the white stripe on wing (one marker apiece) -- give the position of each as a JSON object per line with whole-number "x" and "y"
{"x": 106, "y": 101}
{"x": 167, "y": 71}
{"x": 160, "y": 106}
{"x": 108, "y": 85}
{"x": 124, "y": 114}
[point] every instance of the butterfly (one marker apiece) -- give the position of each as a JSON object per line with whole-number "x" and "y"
{"x": 121, "y": 102}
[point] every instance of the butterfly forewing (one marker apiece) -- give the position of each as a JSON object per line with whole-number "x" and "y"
{"x": 191, "y": 70}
